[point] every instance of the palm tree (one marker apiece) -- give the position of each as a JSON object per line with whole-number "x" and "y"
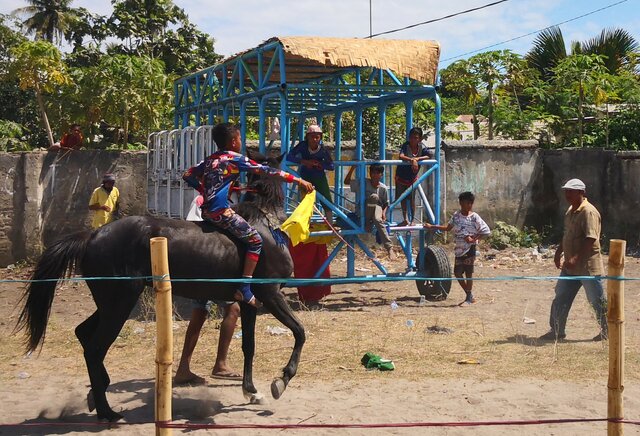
{"x": 616, "y": 44}
{"x": 47, "y": 19}
{"x": 549, "y": 49}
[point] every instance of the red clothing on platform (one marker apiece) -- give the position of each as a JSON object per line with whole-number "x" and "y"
{"x": 307, "y": 259}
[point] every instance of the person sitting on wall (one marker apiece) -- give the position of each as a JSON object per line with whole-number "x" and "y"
{"x": 73, "y": 139}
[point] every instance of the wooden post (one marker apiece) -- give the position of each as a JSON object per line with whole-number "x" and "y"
{"x": 164, "y": 332}
{"x": 615, "y": 322}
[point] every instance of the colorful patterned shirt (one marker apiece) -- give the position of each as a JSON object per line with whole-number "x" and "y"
{"x": 214, "y": 176}
{"x": 463, "y": 226}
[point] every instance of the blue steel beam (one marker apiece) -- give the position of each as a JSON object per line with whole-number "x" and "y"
{"x": 257, "y": 83}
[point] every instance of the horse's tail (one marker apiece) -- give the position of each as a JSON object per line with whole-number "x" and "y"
{"x": 57, "y": 261}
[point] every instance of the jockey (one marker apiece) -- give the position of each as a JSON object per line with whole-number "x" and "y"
{"x": 214, "y": 176}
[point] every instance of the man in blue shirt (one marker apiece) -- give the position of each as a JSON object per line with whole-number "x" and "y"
{"x": 314, "y": 160}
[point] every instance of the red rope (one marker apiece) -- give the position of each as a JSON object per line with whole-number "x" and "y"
{"x": 170, "y": 424}
{"x": 383, "y": 425}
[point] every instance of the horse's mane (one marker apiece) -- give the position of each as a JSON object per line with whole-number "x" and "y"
{"x": 264, "y": 193}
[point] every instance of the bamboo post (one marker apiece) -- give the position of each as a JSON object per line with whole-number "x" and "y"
{"x": 164, "y": 333}
{"x": 615, "y": 323}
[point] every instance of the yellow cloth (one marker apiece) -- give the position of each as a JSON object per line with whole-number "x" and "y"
{"x": 103, "y": 198}
{"x": 297, "y": 225}
{"x": 319, "y": 227}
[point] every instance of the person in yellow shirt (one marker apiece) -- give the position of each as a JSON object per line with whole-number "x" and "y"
{"x": 104, "y": 201}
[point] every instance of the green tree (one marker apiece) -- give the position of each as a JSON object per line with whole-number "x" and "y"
{"x": 478, "y": 78}
{"x": 47, "y": 19}
{"x": 38, "y": 65}
{"x": 587, "y": 80}
{"x": 16, "y": 105}
{"x": 549, "y": 49}
{"x": 161, "y": 30}
{"x": 458, "y": 80}
{"x": 132, "y": 92}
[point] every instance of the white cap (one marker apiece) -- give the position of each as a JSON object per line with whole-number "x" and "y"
{"x": 575, "y": 185}
{"x": 314, "y": 128}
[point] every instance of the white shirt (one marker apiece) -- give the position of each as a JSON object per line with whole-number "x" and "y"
{"x": 463, "y": 226}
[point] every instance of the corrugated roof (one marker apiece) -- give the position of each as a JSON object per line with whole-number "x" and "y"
{"x": 309, "y": 57}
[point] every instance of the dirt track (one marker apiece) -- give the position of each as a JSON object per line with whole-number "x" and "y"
{"x": 517, "y": 376}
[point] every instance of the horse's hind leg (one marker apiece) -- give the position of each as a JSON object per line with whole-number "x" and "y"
{"x": 84, "y": 333}
{"x": 274, "y": 300}
{"x": 114, "y": 306}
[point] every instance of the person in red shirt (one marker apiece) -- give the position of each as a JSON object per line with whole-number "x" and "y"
{"x": 73, "y": 139}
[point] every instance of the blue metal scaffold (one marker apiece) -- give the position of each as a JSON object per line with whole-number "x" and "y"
{"x": 300, "y": 79}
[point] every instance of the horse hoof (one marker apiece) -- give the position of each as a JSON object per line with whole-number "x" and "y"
{"x": 91, "y": 403}
{"x": 277, "y": 388}
{"x": 256, "y": 398}
{"x": 110, "y": 416}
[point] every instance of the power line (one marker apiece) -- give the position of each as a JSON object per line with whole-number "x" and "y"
{"x": 534, "y": 32}
{"x": 436, "y": 19}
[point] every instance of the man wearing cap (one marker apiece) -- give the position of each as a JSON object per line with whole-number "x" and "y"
{"x": 104, "y": 201}
{"x": 314, "y": 160}
{"x": 581, "y": 247}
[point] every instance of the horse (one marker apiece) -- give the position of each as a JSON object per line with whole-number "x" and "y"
{"x": 196, "y": 250}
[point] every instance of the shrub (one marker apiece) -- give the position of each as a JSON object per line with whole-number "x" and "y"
{"x": 504, "y": 235}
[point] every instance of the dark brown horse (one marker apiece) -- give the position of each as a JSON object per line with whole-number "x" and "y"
{"x": 121, "y": 249}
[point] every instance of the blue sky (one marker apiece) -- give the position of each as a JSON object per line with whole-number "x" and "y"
{"x": 239, "y": 25}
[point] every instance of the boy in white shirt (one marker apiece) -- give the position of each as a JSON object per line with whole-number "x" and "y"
{"x": 468, "y": 229}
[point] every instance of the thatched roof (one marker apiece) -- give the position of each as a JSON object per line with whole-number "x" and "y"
{"x": 309, "y": 57}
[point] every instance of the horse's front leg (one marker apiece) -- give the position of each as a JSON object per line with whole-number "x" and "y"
{"x": 283, "y": 313}
{"x": 248, "y": 317}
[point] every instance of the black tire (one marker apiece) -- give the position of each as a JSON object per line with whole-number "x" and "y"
{"x": 436, "y": 264}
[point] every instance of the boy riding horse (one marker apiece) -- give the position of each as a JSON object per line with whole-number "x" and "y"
{"x": 214, "y": 176}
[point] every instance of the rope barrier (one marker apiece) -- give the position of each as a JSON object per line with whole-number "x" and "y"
{"x": 192, "y": 426}
{"x": 381, "y": 425}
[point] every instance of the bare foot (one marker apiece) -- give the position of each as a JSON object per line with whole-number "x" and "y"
{"x": 188, "y": 378}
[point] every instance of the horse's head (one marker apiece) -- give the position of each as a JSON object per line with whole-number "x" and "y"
{"x": 263, "y": 191}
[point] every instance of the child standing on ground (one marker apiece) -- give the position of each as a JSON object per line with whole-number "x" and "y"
{"x": 468, "y": 229}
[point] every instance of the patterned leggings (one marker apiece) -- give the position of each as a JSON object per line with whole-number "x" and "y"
{"x": 238, "y": 227}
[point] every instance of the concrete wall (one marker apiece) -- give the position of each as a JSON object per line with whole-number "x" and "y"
{"x": 516, "y": 182}
{"x": 45, "y": 195}
{"x": 499, "y": 173}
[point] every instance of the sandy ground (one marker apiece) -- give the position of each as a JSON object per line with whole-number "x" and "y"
{"x": 517, "y": 379}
